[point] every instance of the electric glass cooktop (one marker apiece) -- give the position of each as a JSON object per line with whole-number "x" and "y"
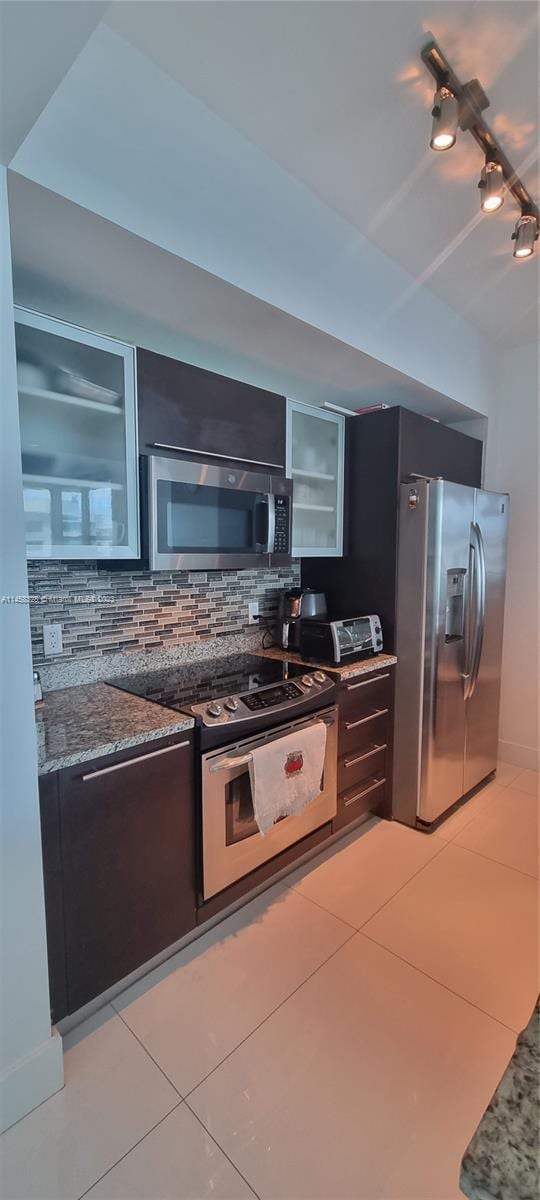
{"x": 194, "y": 683}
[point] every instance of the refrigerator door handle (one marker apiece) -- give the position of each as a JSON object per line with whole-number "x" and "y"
{"x": 480, "y": 608}
{"x": 470, "y": 621}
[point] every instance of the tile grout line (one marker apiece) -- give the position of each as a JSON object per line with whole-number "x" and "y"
{"x": 414, "y": 967}
{"x": 133, "y": 1147}
{"x": 361, "y": 928}
{"x": 496, "y": 861}
{"x": 357, "y": 928}
{"x": 403, "y": 885}
{"x": 321, "y": 908}
{"x": 224, "y": 1152}
{"x": 270, "y": 1014}
{"x": 150, "y": 1056}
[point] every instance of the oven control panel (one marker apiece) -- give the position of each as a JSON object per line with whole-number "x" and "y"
{"x": 272, "y": 698}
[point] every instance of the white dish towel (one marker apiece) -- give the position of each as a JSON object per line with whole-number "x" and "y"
{"x": 286, "y": 774}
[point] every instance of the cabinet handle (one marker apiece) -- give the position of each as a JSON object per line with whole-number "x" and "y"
{"x": 364, "y": 792}
{"x": 364, "y": 682}
{"x": 131, "y": 762}
{"x": 351, "y": 762}
{"x": 379, "y": 712}
{"x": 253, "y": 462}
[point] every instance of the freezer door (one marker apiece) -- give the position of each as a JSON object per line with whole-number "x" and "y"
{"x": 482, "y": 707}
{"x": 446, "y": 648}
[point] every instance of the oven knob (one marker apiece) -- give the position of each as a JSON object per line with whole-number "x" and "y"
{"x": 214, "y": 709}
{"x": 231, "y": 704}
{"x": 307, "y": 680}
{"x": 320, "y": 676}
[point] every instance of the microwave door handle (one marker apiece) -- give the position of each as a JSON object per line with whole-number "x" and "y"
{"x": 269, "y": 504}
{"x": 264, "y": 505}
{"x": 271, "y": 523}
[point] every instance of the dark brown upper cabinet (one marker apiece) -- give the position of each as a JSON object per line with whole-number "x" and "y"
{"x": 184, "y": 409}
{"x": 384, "y": 449}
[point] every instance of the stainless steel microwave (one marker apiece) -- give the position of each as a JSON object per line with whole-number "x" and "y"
{"x": 209, "y": 517}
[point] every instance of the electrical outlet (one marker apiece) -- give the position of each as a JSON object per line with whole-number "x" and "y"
{"x": 253, "y": 612}
{"x": 52, "y": 639}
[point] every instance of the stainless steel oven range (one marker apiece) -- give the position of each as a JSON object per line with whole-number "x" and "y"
{"x": 232, "y": 844}
{"x": 239, "y": 704}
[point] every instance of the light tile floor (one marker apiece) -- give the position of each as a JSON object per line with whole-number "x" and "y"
{"x": 337, "y": 1039}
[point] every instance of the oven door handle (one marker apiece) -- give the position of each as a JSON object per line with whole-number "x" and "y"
{"x": 226, "y": 764}
{"x": 243, "y": 760}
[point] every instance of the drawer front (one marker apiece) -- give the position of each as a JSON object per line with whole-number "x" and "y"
{"x": 360, "y": 799}
{"x": 355, "y": 767}
{"x": 355, "y": 733}
{"x": 361, "y": 697}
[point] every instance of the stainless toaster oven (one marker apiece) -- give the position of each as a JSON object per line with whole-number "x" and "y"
{"x": 338, "y": 641}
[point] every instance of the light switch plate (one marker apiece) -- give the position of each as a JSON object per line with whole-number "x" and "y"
{"x": 52, "y": 639}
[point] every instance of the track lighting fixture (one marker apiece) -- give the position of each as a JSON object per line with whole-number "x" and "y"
{"x": 491, "y": 187}
{"x": 445, "y": 119}
{"x": 525, "y": 235}
{"x": 461, "y": 105}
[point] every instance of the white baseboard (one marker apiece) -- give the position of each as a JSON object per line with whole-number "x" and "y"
{"x": 519, "y": 756}
{"x": 31, "y": 1080}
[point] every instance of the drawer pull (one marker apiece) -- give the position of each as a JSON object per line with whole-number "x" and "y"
{"x": 364, "y": 682}
{"x": 379, "y": 712}
{"x": 371, "y": 788}
{"x": 351, "y": 762}
{"x": 132, "y": 762}
{"x": 255, "y": 462}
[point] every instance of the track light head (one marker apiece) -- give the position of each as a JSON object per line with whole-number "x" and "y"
{"x": 525, "y": 235}
{"x": 445, "y": 119}
{"x": 491, "y": 187}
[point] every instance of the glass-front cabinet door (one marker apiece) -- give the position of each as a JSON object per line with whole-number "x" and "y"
{"x": 77, "y": 411}
{"x": 315, "y": 463}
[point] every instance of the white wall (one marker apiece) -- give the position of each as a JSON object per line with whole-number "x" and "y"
{"x": 30, "y": 1057}
{"x": 513, "y": 466}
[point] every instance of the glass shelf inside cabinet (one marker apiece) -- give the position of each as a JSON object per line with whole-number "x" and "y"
{"x": 315, "y": 472}
{"x": 73, "y": 414}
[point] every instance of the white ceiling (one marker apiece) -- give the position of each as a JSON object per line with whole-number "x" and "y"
{"x": 330, "y": 96}
{"x": 336, "y": 93}
{"x": 38, "y": 44}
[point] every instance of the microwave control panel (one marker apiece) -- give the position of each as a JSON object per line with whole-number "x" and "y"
{"x": 281, "y": 536}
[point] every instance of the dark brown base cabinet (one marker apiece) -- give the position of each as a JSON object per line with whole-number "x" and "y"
{"x": 119, "y": 865}
{"x": 365, "y": 739}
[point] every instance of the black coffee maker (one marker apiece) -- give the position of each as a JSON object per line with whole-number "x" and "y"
{"x": 297, "y": 605}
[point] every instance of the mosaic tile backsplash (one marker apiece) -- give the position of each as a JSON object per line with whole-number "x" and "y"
{"x": 105, "y": 612}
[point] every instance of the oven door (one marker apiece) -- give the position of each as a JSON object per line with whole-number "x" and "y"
{"x": 203, "y": 516}
{"x": 232, "y": 844}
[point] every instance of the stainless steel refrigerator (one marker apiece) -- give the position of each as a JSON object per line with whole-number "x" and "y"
{"x": 450, "y": 606}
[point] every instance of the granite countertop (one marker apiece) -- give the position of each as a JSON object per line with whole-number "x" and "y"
{"x": 79, "y": 723}
{"x": 501, "y": 1162}
{"x": 361, "y": 667}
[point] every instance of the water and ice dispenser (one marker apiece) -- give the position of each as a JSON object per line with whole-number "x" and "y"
{"x": 455, "y": 604}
